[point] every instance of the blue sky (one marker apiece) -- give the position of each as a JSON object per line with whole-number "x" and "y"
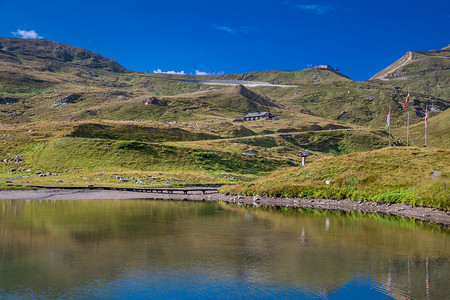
{"x": 358, "y": 37}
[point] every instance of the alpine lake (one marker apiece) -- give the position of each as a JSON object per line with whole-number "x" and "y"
{"x": 97, "y": 249}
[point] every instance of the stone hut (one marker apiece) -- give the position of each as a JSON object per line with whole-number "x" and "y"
{"x": 265, "y": 115}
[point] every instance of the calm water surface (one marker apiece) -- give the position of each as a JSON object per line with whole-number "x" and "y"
{"x": 155, "y": 249}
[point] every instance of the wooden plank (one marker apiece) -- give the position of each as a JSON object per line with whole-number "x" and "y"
{"x": 185, "y": 190}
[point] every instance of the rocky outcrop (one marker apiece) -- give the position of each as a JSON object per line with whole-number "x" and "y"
{"x": 90, "y": 112}
{"x": 152, "y": 101}
{"x": 434, "y": 106}
{"x": 253, "y": 96}
{"x": 8, "y": 100}
{"x": 17, "y": 159}
{"x": 72, "y": 98}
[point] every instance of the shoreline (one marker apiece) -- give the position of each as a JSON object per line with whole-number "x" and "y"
{"x": 431, "y": 215}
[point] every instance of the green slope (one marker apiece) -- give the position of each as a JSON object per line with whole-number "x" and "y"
{"x": 308, "y": 76}
{"x": 438, "y": 131}
{"x": 362, "y": 103}
{"x": 38, "y": 73}
{"x": 63, "y": 107}
{"x": 408, "y": 175}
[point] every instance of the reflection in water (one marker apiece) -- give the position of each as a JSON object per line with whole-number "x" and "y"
{"x": 138, "y": 248}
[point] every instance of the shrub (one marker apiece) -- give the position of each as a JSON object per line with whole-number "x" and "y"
{"x": 130, "y": 145}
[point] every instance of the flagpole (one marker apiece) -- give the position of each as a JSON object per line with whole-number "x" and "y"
{"x": 389, "y": 125}
{"x": 426, "y": 124}
{"x": 407, "y": 128}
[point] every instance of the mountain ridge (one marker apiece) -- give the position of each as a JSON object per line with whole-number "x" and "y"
{"x": 398, "y": 68}
{"x": 103, "y": 93}
{"x": 57, "y": 52}
{"x": 425, "y": 72}
{"x": 68, "y": 111}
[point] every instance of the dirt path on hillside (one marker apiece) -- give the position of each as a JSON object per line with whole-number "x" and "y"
{"x": 246, "y": 83}
{"x": 431, "y": 215}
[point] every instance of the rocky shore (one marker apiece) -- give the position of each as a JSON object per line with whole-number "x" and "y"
{"x": 426, "y": 214}
{"x": 431, "y": 215}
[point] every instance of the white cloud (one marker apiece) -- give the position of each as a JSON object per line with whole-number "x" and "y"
{"x": 197, "y": 72}
{"x": 247, "y": 29}
{"x": 26, "y": 34}
{"x": 224, "y": 28}
{"x": 318, "y": 9}
{"x": 200, "y": 73}
{"x": 159, "y": 71}
{"x": 239, "y": 29}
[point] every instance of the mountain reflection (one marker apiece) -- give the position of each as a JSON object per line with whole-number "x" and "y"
{"x": 95, "y": 248}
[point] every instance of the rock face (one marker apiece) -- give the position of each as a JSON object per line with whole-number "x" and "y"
{"x": 434, "y": 106}
{"x": 152, "y": 101}
{"x": 253, "y": 96}
{"x": 72, "y": 98}
{"x": 90, "y": 112}
{"x": 8, "y": 100}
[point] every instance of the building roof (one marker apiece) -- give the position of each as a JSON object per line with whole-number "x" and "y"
{"x": 257, "y": 114}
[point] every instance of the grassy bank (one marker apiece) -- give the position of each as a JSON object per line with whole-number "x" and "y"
{"x": 413, "y": 175}
{"x": 80, "y": 161}
{"x": 164, "y": 154}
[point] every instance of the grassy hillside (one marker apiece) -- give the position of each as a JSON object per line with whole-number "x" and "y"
{"x": 408, "y": 175}
{"x": 77, "y": 114}
{"x": 190, "y": 153}
{"x": 40, "y": 74}
{"x": 82, "y": 161}
{"x": 211, "y": 103}
{"x": 78, "y": 152}
{"x": 438, "y": 131}
{"x": 351, "y": 103}
{"x": 361, "y": 103}
{"x": 37, "y": 66}
{"x": 308, "y": 76}
{"x": 56, "y": 55}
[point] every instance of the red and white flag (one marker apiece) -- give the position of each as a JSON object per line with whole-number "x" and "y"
{"x": 406, "y": 102}
{"x": 426, "y": 117}
{"x": 388, "y": 121}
